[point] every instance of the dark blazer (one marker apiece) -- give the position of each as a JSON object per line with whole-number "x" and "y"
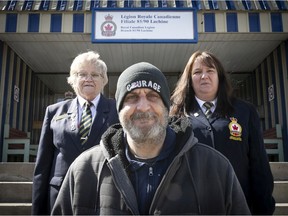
{"x": 242, "y": 143}
{"x": 60, "y": 144}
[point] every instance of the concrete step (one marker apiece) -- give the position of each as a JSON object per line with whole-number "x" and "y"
{"x": 279, "y": 170}
{"x": 16, "y": 187}
{"x": 15, "y": 208}
{"x": 15, "y": 192}
{"x": 17, "y": 171}
{"x": 281, "y": 209}
{"x": 280, "y": 192}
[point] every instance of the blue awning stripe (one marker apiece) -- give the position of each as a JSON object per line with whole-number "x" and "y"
{"x": 86, "y": 5}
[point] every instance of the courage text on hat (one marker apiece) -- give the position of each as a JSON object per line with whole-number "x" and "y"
{"x": 143, "y": 84}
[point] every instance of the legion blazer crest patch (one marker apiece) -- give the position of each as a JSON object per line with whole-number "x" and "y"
{"x": 235, "y": 130}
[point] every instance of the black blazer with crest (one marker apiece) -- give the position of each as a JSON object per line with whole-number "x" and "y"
{"x": 59, "y": 145}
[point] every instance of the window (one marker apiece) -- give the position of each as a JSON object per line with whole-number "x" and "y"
{"x": 232, "y": 22}
{"x": 56, "y": 23}
{"x": 209, "y": 22}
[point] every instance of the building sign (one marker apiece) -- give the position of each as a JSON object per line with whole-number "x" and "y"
{"x": 271, "y": 92}
{"x": 144, "y": 25}
{"x": 16, "y": 93}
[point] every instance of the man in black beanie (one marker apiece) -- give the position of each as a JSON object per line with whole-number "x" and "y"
{"x": 147, "y": 165}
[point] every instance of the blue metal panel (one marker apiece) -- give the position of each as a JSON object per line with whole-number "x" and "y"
{"x": 112, "y": 4}
{"x": 32, "y": 99}
{"x": 28, "y": 4}
{"x": 56, "y": 23}
{"x": 276, "y": 22}
{"x": 254, "y": 22}
{"x": 4, "y": 101}
{"x": 6, "y": 84}
{"x": 261, "y": 93}
{"x": 33, "y": 22}
{"x": 179, "y": 3}
{"x": 78, "y": 5}
{"x": 213, "y": 4}
{"x": 26, "y": 105}
{"x": 21, "y": 89}
{"x": 285, "y": 118}
{"x": 247, "y": 4}
{"x": 264, "y": 5}
{"x": 281, "y": 5}
{"x": 1, "y": 59}
{"x": 209, "y": 22}
{"x": 230, "y": 5}
{"x": 11, "y": 22}
{"x": 95, "y": 4}
{"x": 78, "y": 22}
{"x": 61, "y": 5}
{"x": 128, "y": 3}
{"x": 11, "y": 5}
{"x": 281, "y": 87}
{"x": 44, "y": 5}
{"x": 162, "y": 3}
{"x": 145, "y": 3}
{"x": 232, "y": 22}
{"x": 196, "y": 4}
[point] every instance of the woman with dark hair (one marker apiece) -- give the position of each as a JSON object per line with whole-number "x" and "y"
{"x": 232, "y": 126}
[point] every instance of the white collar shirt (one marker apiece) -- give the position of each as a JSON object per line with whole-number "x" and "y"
{"x": 203, "y": 108}
{"x": 93, "y": 107}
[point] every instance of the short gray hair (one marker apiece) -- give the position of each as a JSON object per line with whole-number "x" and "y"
{"x": 90, "y": 57}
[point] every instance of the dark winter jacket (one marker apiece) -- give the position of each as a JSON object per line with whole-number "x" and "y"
{"x": 200, "y": 180}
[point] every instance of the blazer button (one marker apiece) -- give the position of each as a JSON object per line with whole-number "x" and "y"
{"x": 208, "y": 128}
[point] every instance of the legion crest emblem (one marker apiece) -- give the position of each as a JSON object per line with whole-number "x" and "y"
{"x": 108, "y": 27}
{"x": 235, "y": 130}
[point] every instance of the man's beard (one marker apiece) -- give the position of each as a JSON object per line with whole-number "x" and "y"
{"x": 148, "y": 134}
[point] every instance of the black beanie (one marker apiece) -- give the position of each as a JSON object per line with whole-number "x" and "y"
{"x": 142, "y": 75}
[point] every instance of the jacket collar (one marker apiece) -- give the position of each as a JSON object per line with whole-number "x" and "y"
{"x": 114, "y": 144}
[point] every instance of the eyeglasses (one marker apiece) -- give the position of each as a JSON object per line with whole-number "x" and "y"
{"x": 85, "y": 76}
